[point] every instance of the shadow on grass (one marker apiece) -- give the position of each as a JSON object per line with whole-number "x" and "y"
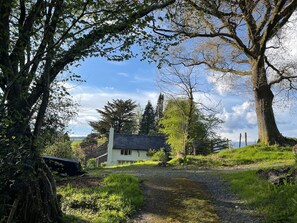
{"x": 72, "y": 219}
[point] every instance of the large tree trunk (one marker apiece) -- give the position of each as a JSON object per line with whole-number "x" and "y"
{"x": 27, "y": 188}
{"x": 268, "y": 132}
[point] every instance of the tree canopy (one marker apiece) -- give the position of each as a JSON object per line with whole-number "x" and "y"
{"x": 233, "y": 37}
{"x": 183, "y": 136}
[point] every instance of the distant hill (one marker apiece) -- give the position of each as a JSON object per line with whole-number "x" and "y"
{"x": 77, "y": 138}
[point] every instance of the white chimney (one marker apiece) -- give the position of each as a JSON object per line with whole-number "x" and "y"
{"x": 109, "y": 147}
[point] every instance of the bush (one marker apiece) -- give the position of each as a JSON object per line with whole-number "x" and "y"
{"x": 151, "y": 152}
{"x": 160, "y": 155}
{"x": 59, "y": 149}
{"x": 91, "y": 163}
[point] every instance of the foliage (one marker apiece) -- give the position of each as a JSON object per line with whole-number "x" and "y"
{"x": 160, "y": 155}
{"x": 91, "y": 163}
{"x": 77, "y": 152}
{"x": 59, "y": 149}
{"x": 159, "y": 110}
{"x": 114, "y": 201}
{"x": 276, "y": 203}
{"x": 151, "y": 152}
{"x": 101, "y": 140}
{"x": 174, "y": 125}
{"x": 183, "y": 131}
{"x": 60, "y": 110}
{"x": 89, "y": 144}
{"x": 118, "y": 114}
{"x": 147, "y": 124}
{"x": 90, "y": 140}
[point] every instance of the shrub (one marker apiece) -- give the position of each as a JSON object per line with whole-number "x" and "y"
{"x": 160, "y": 155}
{"x": 59, "y": 149}
{"x": 91, "y": 163}
{"x": 151, "y": 152}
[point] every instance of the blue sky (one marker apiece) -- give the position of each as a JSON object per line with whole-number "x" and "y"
{"x": 135, "y": 79}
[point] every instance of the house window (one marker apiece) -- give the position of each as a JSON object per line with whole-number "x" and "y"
{"x": 125, "y": 152}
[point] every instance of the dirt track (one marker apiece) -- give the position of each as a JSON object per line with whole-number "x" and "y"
{"x": 190, "y": 196}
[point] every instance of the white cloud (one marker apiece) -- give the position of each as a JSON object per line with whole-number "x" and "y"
{"x": 222, "y": 86}
{"x": 227, "y": 83}
{"x": 92, "y": 98}
{"x": 123, "y": 74}
{"x": 241, "y": 118}
{"x": 142, "y": 79}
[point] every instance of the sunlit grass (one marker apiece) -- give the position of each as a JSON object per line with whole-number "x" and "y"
{"x": 114, "y": 200}
{"x": 275, "y": 203}
{"x": 254, "y": 156}
{"x": 146, "y": 163}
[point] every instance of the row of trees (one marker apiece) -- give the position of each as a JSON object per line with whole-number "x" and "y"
{"x": 123, "y": 117}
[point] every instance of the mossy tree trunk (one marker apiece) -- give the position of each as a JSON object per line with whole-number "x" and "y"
{"x": 268, "y": 132}
{"x": 37, "y": 198}
{"x": 28, "y": 183}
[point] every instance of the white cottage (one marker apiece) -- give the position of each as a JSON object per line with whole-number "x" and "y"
{"x": 129, "y": 148}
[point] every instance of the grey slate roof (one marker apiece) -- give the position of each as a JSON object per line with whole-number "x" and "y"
{"x": 139, "y": 142}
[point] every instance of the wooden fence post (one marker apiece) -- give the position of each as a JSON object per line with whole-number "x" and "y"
{"x": 229, "y": 144}
{"x": 239, "y": 140}
{"x": 245, "y": 138}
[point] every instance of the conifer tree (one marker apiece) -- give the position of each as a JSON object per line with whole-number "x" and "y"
{"x": 118, "y": 114}
{"x": 160, "y": 107}
{"x": 147, "y": 124}
{"x": 159, "y": 111}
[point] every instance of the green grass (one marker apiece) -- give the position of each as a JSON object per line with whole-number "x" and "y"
{"x": 114, "y": 201}
{"x": 276, "y": 203}
{"x": 263, "y": 156}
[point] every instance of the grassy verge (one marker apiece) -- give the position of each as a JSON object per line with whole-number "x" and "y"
{"x": 276, "y": 203}
{"x": 264, "y": 156}
{"x": 113, "y": 200}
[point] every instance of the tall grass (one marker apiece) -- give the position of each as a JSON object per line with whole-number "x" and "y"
{"x": 114, "y": 201}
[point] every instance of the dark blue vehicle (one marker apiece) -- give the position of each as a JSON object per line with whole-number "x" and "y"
{"x": 63, "y": 166}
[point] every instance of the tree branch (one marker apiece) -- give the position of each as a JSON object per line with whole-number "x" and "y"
{"x": 77, "y": 51}
{"x": 281, "y": 74}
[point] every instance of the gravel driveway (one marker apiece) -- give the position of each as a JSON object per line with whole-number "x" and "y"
{"x": 188, "y": 196}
